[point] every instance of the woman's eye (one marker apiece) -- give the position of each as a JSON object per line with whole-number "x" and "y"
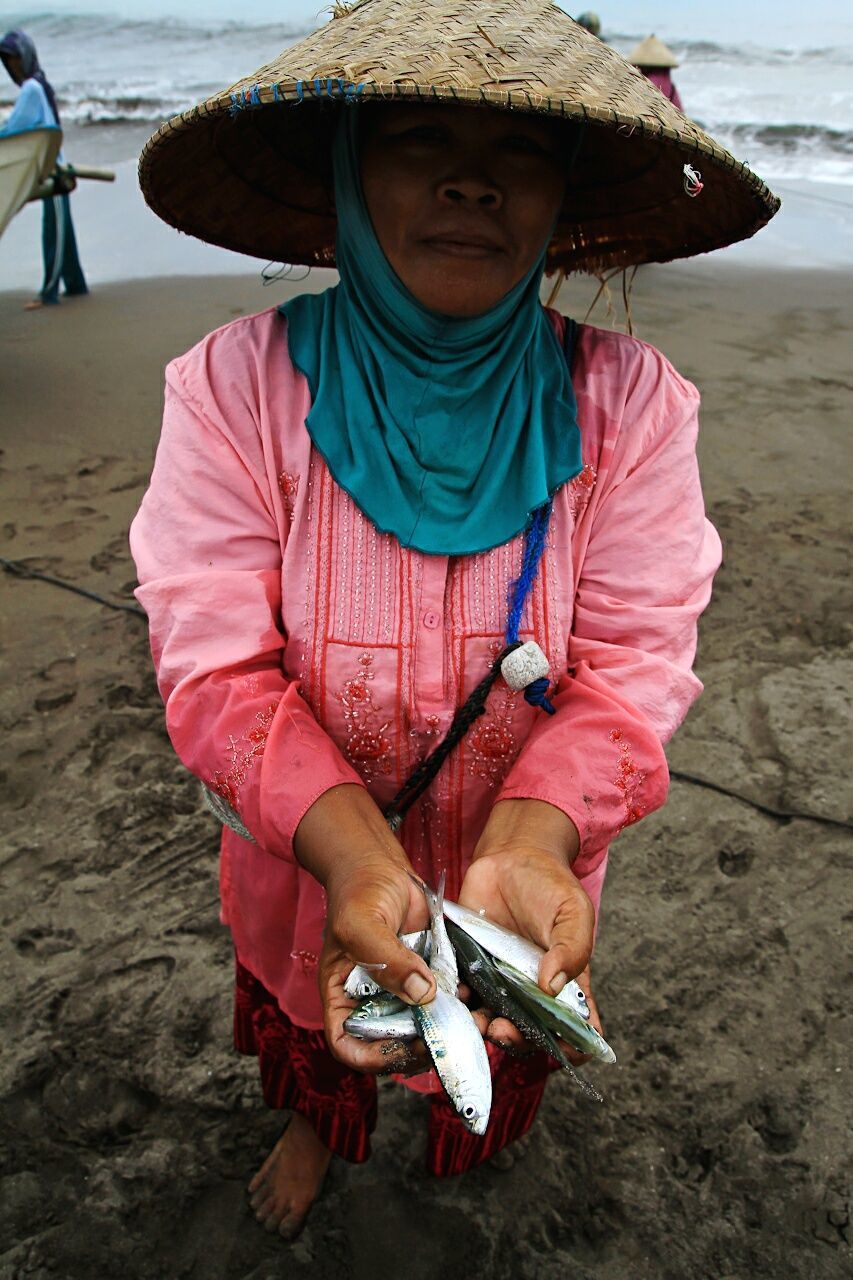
{"x": 521, "y": 144}
{"x": 420, "y": 134}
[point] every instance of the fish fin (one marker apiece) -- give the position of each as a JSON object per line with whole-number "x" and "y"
{"x": 581, "y": 1081}
{"x": 435, "y": 898}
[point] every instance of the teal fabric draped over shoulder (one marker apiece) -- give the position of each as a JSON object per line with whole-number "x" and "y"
{"x": 445, "y": 432}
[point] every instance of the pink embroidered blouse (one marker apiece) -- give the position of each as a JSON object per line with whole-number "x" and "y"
{"x": 296, "y": 648}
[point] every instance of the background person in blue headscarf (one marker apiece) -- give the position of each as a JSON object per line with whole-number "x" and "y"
{"x": 36, "y": 108}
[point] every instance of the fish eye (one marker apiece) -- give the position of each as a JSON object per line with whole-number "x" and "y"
{"x": 581, "y": 995}
{"x": 469, "y": 1112}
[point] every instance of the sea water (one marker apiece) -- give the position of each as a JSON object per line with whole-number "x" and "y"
{"x": 785, "y": 106}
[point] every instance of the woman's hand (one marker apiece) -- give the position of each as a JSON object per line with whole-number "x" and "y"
{"x": 345, "y": 843}
{"x": 521, "y": 875}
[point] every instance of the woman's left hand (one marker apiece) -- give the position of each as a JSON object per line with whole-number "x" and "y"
{"x": 522, "y": 877}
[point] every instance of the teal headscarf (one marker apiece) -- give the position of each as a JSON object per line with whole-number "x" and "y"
{"x": 445, "y": 432}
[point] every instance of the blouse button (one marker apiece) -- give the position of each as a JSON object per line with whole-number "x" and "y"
{"x": 431, "y": 619}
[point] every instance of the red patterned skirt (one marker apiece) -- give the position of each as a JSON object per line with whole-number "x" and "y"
{"x": 298, "y": 1073}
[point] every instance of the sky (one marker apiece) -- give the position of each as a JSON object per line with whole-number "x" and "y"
{"x": 775, "y": 22}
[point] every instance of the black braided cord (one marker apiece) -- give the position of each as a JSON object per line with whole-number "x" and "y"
{"x": 421, "y": 777}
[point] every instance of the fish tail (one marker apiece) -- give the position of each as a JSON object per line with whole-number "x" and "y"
{"x": 434, "y": 897}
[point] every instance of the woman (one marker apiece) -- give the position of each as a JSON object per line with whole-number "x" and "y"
{"x": 36, "y": 108}
{"x": 363, "y": 500}
{"x": 656, "y": 61}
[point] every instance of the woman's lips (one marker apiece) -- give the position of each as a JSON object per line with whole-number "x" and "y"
{"x": 463, "y": 246}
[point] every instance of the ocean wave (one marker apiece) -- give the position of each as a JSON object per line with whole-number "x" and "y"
{"x": 745, "y": 54}
{"x": 162, "y": 31}
{"x": 105, "y": 28}
{"x": 790, "y": 138}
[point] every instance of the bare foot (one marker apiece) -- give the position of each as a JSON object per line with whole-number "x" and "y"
{"x": 289, "y": 1181}
{"x": 35, "y": 305}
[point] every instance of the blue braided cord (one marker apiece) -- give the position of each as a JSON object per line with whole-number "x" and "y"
{"x": 300, "y": 92}
{"x": 235, "y": 105}
{"x": 318, "y": 87}
{"x": 254, "y": 95}
{"x": 536, "y": 694}
{"x": 534, "y": 545}
{"x": 535, "y": 535}
{"x": 276, "y": 93}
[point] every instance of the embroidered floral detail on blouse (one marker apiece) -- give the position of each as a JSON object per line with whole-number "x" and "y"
{"x": 580, "y": 490}
{"x": 307, "y": 959}
{"x": 367, "y": 745}
{"x": 629, "y": 778}
{"x": 244, "y": 751}
{"x": 288, "y": 487}
{"x": 492, "y": 741}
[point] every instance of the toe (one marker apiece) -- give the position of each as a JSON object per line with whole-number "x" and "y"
{"x": 264, "y": 1207}
{"x": 290, "y": 1226}
{"x": 261, "y": 1196}
{"x": 274, "y": 1218}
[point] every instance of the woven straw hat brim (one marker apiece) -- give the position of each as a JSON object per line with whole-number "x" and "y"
{"x": 652, "y": 52}
{"x": 249, "y": 169}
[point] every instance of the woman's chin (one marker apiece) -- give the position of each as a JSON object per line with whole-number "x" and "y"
{"x": 459, "y": 299}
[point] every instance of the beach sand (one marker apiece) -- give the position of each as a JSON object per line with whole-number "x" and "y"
{"x": 129, "y": 1126}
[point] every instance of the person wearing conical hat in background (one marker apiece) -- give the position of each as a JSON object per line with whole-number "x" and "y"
{"x": 590, "y": 22}
{"x": 364, "y": 499}
{"x": 656, "y": 60}
{"x": 36, "y": 108}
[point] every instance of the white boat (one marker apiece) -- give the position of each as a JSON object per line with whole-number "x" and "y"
{"x": 26, "y": 161}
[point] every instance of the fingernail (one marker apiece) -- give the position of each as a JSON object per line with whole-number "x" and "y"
{"x": 558, "y": 982}
{"x": 416, "y": 987}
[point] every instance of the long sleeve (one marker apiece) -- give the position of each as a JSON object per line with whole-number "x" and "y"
{"x": 31, "y": 111}
{"x": 645, "y": 559}
{"x": 208, "y": 548}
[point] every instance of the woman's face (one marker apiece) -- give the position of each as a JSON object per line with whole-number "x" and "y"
{"x": 462, "y": 199}
{"x": 15, "y": 67}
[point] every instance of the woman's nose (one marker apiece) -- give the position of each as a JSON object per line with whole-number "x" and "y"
{"x": 471, "y": 191}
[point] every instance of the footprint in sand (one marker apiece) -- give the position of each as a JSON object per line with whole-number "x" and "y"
{"x": 115, "y": 552}
{"x": 53, "y": 699}
{"x": 734, "y": 862}
{"x": 96, "y": 1104}
{"x": 39, "y": 943}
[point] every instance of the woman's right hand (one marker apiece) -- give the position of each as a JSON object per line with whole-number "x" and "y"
{"x": 345, "y": 843}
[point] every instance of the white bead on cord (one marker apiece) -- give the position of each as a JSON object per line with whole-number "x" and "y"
{"x": 524, "y": 665}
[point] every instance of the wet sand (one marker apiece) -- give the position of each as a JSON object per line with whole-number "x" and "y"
{"x": 129, "y": 1127}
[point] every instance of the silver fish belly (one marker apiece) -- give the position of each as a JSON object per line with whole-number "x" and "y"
{"x": 459, "y": 1054}
{"x": 392, "y": 1026}
{"x": 510, "y": 947}
{"x": 449, "y": 1031}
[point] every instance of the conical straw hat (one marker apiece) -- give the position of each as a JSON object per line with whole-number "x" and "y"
{"x": 249, "y": 169}
{"x": 652, "y": 52}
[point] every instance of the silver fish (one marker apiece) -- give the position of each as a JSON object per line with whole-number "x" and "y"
{"x": 559, "y": 1018}
{"x": 381, "y": 1005}
{"x": 450, "y": 1032}
{"x": 361, "y": 983}
{"x": 391, "y": 1026}
{"x": 521, "y": 953}
{"x": 479, "y": 970}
